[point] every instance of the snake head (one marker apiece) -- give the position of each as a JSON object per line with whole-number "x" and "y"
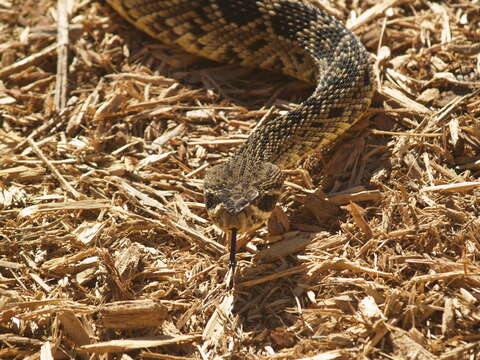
{"x": 241, "y": 195}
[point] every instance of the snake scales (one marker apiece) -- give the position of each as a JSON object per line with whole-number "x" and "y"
{"x": 288, "y": 36}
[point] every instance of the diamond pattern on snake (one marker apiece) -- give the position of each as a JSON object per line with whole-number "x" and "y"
{"x": 287, "y": 36}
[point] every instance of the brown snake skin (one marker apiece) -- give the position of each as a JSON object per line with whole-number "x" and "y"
{"x": 287, "y": 36}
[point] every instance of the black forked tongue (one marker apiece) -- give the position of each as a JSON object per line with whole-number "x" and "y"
{"x": 233, "y": 251}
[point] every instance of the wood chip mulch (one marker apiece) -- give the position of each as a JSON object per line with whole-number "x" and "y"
{"x": 106, "y": 251}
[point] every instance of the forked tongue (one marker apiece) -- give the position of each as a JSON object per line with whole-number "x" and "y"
{"x": 233, "y": 250}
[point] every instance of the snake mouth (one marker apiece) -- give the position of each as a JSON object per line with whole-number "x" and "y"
{"x": 249, "y": 218}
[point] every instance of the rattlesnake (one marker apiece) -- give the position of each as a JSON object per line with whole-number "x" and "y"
{"x": 288, "y": 36}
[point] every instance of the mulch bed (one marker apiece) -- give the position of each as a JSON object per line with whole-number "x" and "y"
{"x": 106, "y": 250}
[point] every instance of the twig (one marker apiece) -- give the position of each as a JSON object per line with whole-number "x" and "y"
{"x": 65, "y": 185}
{"x": 62, "y": 56}
{"x": 28, "y": 61}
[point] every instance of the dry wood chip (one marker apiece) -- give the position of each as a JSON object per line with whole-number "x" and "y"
{"x": 278, "y": 223}
{"x": 406, "y": 347}
{"x": 290, "y": 245}
{"x": 128, "y": 261}
{"x": 467, "y": 296}
{"x": 6, "y": 4}
{"x": 323, "y": 210}
{"x": 40, "y": 282}
{"x": 147, "y": 79}
{"x": 154, "y": 355}
{"x": 153, "y": 159}
{"x": 136, "y": 314}
{"x": 447, "y": 275}
{"x": 460, "y": 352}
{"x": 88, "y": 231}
{"x": 22, "y": 174}
{"x": 28, "y": 61}
{"x": 403, "y": 100}
{"x": 428, "y": 95}
{"x": 278, "y": 275}
{"x": 369, "y": 310}
{"x": 71, "y": 205}
{"x": 136, "y": 343}
{"x": 358, "y": 214}
{"x": 380, "y": 329}
{"x": 328, "y": 355}
{"x": 73, "y": 263}
{"x": 168, "y": 135}
{"x": 459, "y": 187}
{"x": 344, "y": 264}
{"x": 7, "y": 100}
{"x": 46, "y": 351}
{"x": 217, "y": 142}
{"x": 348, "y": 196}
{"x": 10, "y": 265}
{"x": 144, "y": 198}
{"x": 448, "y": 318}
{"x": 200, "y": 114}
{"x": 167, "y": 100}
{"x": 217, "y": 323}
{"x": 113, "y": 105}
{"x": 373, "y": 12}
{"x": 74, "y": 328}
{"x": 76, "y": 120}
{"x": 11, "y": 338}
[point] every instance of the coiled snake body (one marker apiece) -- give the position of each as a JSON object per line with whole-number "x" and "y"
{"x": 288, "y": 36}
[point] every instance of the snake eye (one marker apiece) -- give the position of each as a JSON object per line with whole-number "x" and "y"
{"x": 210, "y": 201}
{"x": 267, "y": 202}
